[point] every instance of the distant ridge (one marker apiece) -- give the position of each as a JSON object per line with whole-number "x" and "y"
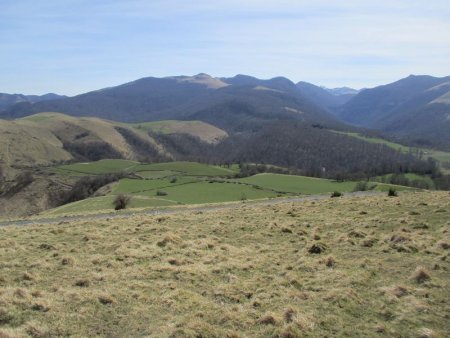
{"x": 9, "y": 100}
{"x": 240, "y": 103}
{"x": 414, "y": 110}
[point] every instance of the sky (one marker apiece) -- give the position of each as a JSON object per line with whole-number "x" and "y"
{"x": 74, "y": 46}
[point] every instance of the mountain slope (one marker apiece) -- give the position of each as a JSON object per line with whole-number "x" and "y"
{"x": 416, "y": 108}
{"x": 325, "y": 98}
{"x": 239, "y": 103}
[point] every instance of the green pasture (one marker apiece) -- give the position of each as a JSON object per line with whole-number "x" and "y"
{"x": 155, "y": 174}
{"x": 99, "y": 167}
{"x": 187, "y": 168}
{"x": 297, "y": 184}
{"x": 206, "y": 192}
{"x": 146, "y": 187}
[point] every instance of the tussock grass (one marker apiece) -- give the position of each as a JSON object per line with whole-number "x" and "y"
{"x": 241, "y": 272}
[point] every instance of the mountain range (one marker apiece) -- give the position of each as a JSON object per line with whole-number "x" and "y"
{"x": 415, "y": 109}
{"x": 9, "y": 100}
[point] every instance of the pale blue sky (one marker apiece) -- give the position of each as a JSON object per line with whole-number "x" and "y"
{"x": 73, "y": 46}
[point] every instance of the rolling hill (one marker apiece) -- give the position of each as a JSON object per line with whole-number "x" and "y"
{"x": 48, "y": 138}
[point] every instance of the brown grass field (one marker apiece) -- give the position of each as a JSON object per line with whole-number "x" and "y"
{"x": 341, "y": 267}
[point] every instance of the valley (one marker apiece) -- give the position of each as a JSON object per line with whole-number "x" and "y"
{"x": 196, "y": 206}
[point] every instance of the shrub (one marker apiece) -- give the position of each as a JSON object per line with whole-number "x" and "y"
{"x": 361, "y": 186}
{"x": 121, "y": 201}
{"x": 392, "y": 192}
{"x": 160, "y": 193}
{"x": 336, "y": 194}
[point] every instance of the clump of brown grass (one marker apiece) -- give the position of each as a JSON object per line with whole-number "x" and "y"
{"x": 289, "y": 315}
{"x": 317, "y": 248}
{"x": 28, "y": 277}
{"x": 399, "y": 291}
{"x": 106, "y": 299}
{"x": 426, "y": 333}
{"x": 83, "y": 283}
{"x": 35, "y": 330}
{"x": 169, "y": 239}
{"x": 444, "y": 245}
{"x": 41, "y": 307}
{"x": 421, "y": 275}
{"x": 174, "y": 261}
{"x": 269, "y": 319}
{"x": 357, "y": 234}
{"x": 67, "y": 261}
{"x": 5, "y": 317}
{"x": 330, "y": 261}
{"x": 368, "y": 243}
{"x": 20, "y": 293}
{"x": 290, "y": 331}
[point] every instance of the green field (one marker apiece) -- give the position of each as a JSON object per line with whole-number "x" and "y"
{"x": 174, "y": 183}
{"x": 187, "y": 168}
{"x": 146, "y": 187}
{"x": 99, "y": 167}
{"x": 154, "y": 174}
{"x": 297, "y": 184}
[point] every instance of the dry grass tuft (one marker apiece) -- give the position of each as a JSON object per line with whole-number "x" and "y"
{"x": 269, "y": 319}
{"x": 421, "y": 275}
{"x": 28, "y": 277}
{"x": 67, "y": 261}
{"x": 289, "y": 315}
{"x": 82, "y": 283}
{"x": 35, "y": 330}
{"x": 317, "y": 248}
{"x": 169, "y": 239}
{"x": 426, "y": 333}
{"x": 330, "y": 261}
{"x": 106, "y": 299}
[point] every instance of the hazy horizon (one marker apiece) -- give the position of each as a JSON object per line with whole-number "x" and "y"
{"x": 76, "y": 46}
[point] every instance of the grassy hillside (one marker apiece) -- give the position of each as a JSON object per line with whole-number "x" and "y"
{"x": 204, "y": 131}
{"x": 352, "y": 267}
{"x": 48, "y": 138}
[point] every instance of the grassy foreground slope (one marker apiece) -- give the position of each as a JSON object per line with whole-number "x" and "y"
{"x": 351, "y": 267}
